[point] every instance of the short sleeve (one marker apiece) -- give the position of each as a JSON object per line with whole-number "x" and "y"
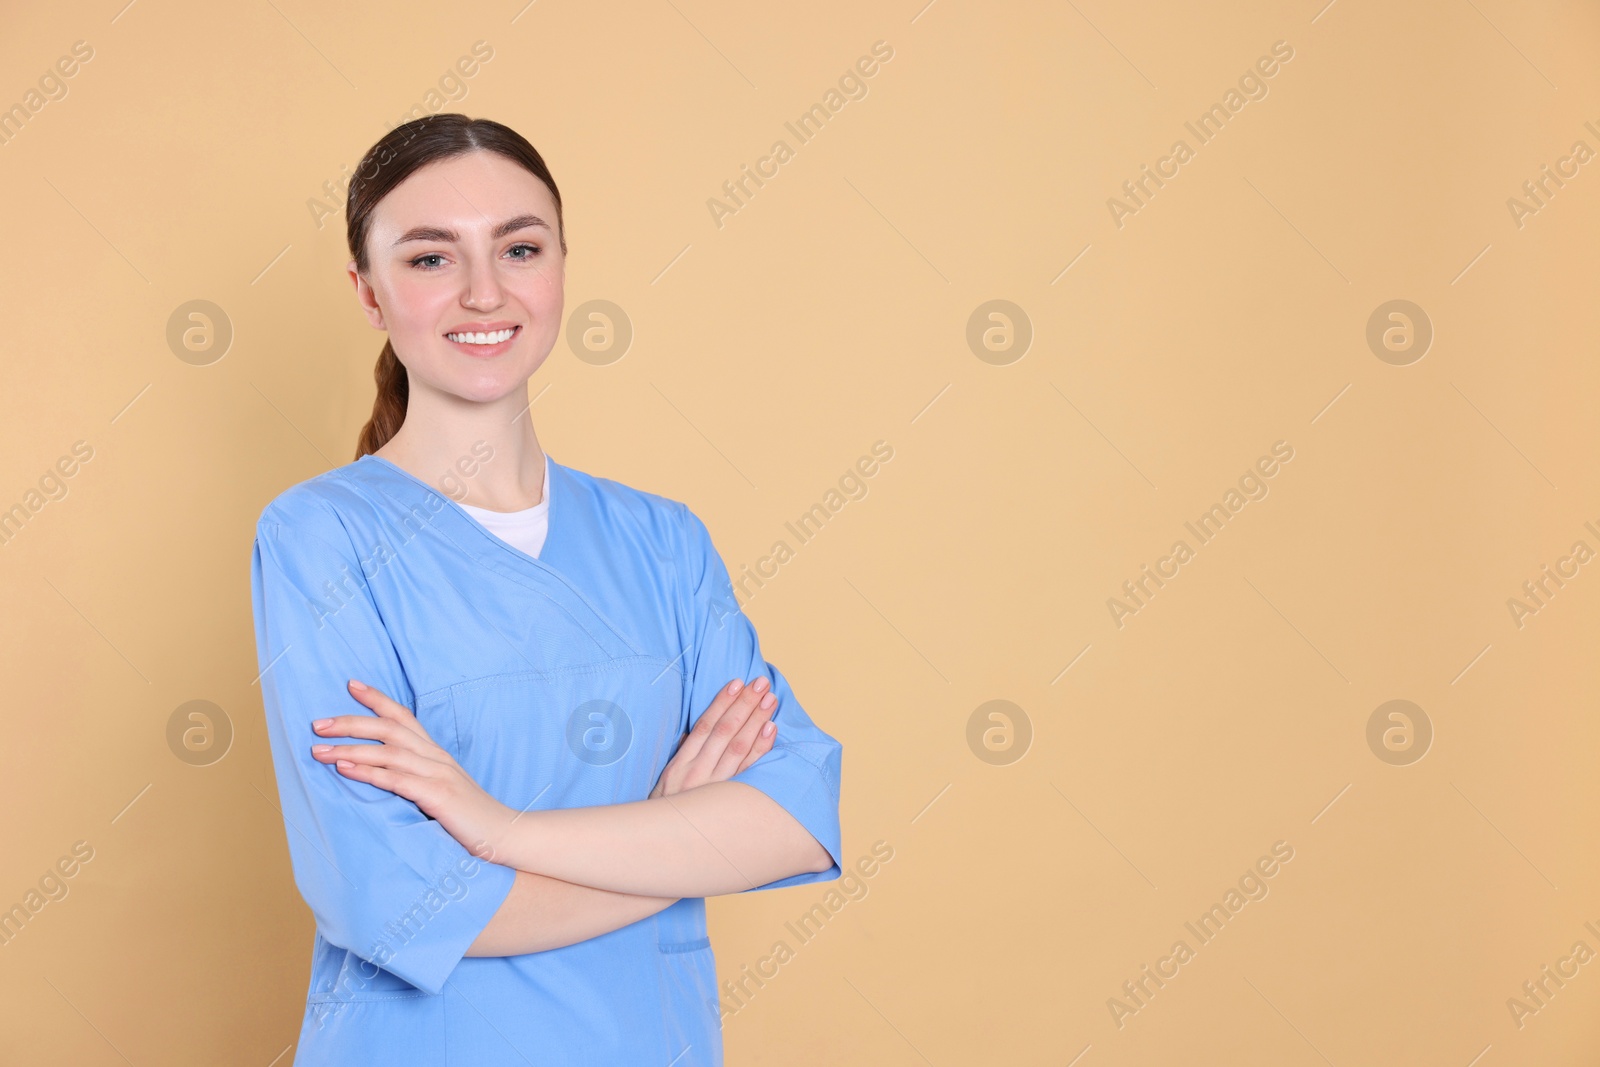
{"x": 383, "y": 880}
{"x": 801, "y": 772}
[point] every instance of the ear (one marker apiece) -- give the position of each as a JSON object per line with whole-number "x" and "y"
{"x": 365, "y": 296}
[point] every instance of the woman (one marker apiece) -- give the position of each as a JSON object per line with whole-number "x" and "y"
{"x": 492, "y": 806}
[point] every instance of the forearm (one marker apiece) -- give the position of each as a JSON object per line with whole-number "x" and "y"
{"x": 721, "y": 837}
{"x": 542, "y": 913}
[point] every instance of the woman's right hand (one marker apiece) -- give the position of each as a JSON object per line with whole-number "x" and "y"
{"x": 735, "y": 731}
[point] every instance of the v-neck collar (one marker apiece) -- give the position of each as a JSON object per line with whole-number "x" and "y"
{"x": 482, "y": 542}
{"x": 568, "y": 502}
{"x": 471, "y": 537}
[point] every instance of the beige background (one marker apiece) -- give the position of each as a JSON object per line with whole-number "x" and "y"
{"x": 829, "y": 312}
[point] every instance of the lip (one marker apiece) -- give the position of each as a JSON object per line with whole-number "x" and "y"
{"x": 483, "y": 350}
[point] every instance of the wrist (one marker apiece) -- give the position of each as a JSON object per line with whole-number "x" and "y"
{"x": 481, "y": 828}
{"x": 503, "y": 829}
{"x": 499, "y": 828}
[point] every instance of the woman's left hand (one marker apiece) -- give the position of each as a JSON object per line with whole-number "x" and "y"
{"x": 410, "y": 764}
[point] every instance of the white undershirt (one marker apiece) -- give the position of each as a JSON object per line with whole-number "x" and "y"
{"x": 525, "y": 529}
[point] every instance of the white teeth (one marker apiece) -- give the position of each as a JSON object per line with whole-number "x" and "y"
{"x": 482, "y": 338}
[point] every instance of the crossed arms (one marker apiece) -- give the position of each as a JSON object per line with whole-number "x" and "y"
{"x": 582, "y": 872}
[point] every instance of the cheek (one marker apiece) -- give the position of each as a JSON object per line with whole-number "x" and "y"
{"x": 413, "y": 305}
{"x": 541, "y": 298}
{"x": 543, "y": 292}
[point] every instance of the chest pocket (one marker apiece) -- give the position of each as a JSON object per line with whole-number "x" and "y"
{"x": 597, "y": 733}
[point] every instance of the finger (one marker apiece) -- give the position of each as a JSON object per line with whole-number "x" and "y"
{"x": 674, "y": 778}
{"x": 385, "y": 706}
{"x": 739, "y": 745}
{"x": 691, "y": 746}
{"x": 670, "y": 780}
{"x": 394, "y": 759}
{"x": 733, "y": 720}
{"x": 766, "y": 737}
{"x": 699, "y": 753}
{"x": 695, "y": 743}
{"x": 704, "y": 766}
{"x": 395, "y": 782}
{"x": 366, "y": 727}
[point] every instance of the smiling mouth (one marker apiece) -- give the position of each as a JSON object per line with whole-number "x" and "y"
{"x": 491, "y": 338}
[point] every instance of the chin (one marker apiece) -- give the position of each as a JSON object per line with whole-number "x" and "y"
{"x": 482, "y": 384}
{"x": 486, "y": 392}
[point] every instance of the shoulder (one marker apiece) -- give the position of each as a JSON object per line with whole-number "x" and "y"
{"x": 669, "y": 530}
{"x": 315, "y": 508}
{"x": 663, "y": 521}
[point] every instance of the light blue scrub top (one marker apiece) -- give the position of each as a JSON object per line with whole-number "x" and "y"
{"x": 562, "y": 681}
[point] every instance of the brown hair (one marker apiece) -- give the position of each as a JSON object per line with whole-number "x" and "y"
{"x": 398, "y": 154}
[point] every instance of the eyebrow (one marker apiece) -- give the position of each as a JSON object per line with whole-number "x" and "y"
{"x": 436, "y": 233}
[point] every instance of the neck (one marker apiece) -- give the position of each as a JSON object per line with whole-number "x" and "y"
{"x": 484, "y": 454}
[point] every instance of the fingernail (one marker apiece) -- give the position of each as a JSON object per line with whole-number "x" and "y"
{"x": 768, "y": 728}
{"x": 345, "y": 764}
{"x": 768, "y": 700}
{"x": 734, "y": 686}
{"x": 321, "y": 724}
{"x": 321, "y": 749}
{"x": 760, "y": 685}
{"x": 356, "y": 685}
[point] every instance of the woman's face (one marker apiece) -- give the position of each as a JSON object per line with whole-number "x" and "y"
{"x": 466, "y": 246}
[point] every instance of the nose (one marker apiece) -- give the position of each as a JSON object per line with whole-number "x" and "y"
{"x": 483, "y": 290}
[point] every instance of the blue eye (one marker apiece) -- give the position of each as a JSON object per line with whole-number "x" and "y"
{"x": 434, "y": 260}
